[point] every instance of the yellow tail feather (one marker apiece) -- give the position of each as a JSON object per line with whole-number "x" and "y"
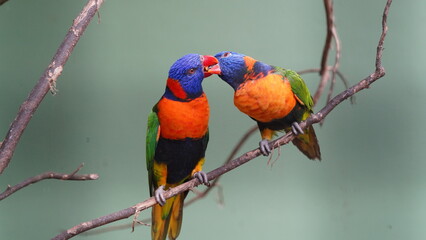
{"x": 176, "y": 217}
{"x": 159, "y": 224}
{"x": 168, "y": 218}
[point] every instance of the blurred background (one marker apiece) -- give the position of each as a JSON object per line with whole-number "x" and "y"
{"x": 369, "y": 185}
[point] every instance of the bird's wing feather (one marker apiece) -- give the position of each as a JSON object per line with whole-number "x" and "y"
{"x": 152, "y": 133}
{"x": 298, "y": 87}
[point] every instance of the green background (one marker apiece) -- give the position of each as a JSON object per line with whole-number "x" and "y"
{"x": 370, "y": 184}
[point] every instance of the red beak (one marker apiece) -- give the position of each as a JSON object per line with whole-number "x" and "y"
{"x": 211, "y": 65}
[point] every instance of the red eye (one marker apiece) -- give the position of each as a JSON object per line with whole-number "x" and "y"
{"x": 227, "y": 54}
{"x": 191, "y": 71}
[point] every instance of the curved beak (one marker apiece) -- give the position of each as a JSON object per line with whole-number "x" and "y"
{"x": 210, "y": 65}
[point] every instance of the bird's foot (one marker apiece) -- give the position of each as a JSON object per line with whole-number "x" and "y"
{"x": 159, "y": 195}
{"x": 264, "y": 147}
{"x": 202, "y": 177}
{"x": 296, "y": 129}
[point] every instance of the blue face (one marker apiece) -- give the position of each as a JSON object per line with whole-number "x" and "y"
{"x": 233, "y": 68}
{"x": 188, "y": 70}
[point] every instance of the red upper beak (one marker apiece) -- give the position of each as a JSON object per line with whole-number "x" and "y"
{"x": 211, "y": 65}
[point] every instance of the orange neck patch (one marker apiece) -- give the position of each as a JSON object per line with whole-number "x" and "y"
{"x": 249, "y": 63}
{"x": 176, "y": 88}
{"x": 251, "y": 74}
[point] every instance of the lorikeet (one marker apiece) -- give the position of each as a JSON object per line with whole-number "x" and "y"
{"x": 276, "y": 98}
{"x": 176, "y": 139}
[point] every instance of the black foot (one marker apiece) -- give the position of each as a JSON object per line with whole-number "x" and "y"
{"x": 159, "y": 195}
{"x": 296, "y": 129}
{"x": 202, "y": 177}
{"x": 264, "y": 147}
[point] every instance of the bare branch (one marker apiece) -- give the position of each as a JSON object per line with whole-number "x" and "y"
{"x": 48, "y": 175}
{"x": 336, "y": 61}
{"x": 2, "y": 1}
{"x": 329, "y": 68}
{"x": 314, "y": 118}
{"x": 331, "y": 33}
{"x": 46, "y": 82}
{"x": 328, "y": 5}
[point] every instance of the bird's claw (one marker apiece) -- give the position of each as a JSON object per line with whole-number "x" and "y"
{"x": 264, "y": 147}
{"x": 202, "y": 177}
{"x": 296, "y": 129}
{"x": 159, "y": 195}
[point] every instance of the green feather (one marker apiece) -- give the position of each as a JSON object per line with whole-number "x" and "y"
{"x": 298, "y": 87}
{"x": 151, "y": 144}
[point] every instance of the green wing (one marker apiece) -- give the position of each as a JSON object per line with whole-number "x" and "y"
{"x": 151, "y": 143}
{"x": 298, "y": 87}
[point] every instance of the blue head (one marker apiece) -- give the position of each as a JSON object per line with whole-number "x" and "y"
{"x": 237, "y": 68}
{"x": 186, "y": 75}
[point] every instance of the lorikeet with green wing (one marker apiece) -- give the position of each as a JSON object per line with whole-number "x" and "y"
{"x": 276, "y": 98}
{"x": 177, "y": 138}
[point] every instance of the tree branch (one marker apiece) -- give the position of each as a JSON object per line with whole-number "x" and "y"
{"x": 2, "y": 1}
{"x": 314, "y": 118}
{"x": 336, "y": 61}
{"x": 328, "y": 5}
{"x": 330, "y": 68}
{"x": 48, "y": 175}
{"x": 331, "y": 32}
{"x": 46, "y": 82}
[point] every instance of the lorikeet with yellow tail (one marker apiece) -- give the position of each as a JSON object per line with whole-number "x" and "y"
{"x": 177, "y": 138}
{"x": 276, "y": 98}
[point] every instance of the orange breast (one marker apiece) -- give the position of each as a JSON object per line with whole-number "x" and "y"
{"x": 265, "y": 99}
{"x": 180, "y": 120}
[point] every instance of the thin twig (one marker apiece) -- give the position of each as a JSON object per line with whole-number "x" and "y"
{"x": 314, "y": 118}
{"x": 48, "y": 175}
{"x": 336, "y": 61}
{"x": 46, "y": 82}
{"x": 328, "y": 5}
{"x": 336, "y": 64}
{"x": 330, "y": 68}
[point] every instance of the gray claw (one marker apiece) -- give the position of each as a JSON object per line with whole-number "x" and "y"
{"x": 296, "y": 129}
{"x": 159, "y": 195}
{"x": 202, "y": 177}
{"x": 264, "y": 147}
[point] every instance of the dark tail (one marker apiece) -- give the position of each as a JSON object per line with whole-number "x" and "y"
{"x": 307, "y": 143}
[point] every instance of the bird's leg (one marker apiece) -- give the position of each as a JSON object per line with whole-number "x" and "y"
{"x": 266, "y": 135}
{"x": 296, "y": 129}
{"x": 202, "y": 177}
{"x": 264, "y": 147}
{"x": 159, "y": 195}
